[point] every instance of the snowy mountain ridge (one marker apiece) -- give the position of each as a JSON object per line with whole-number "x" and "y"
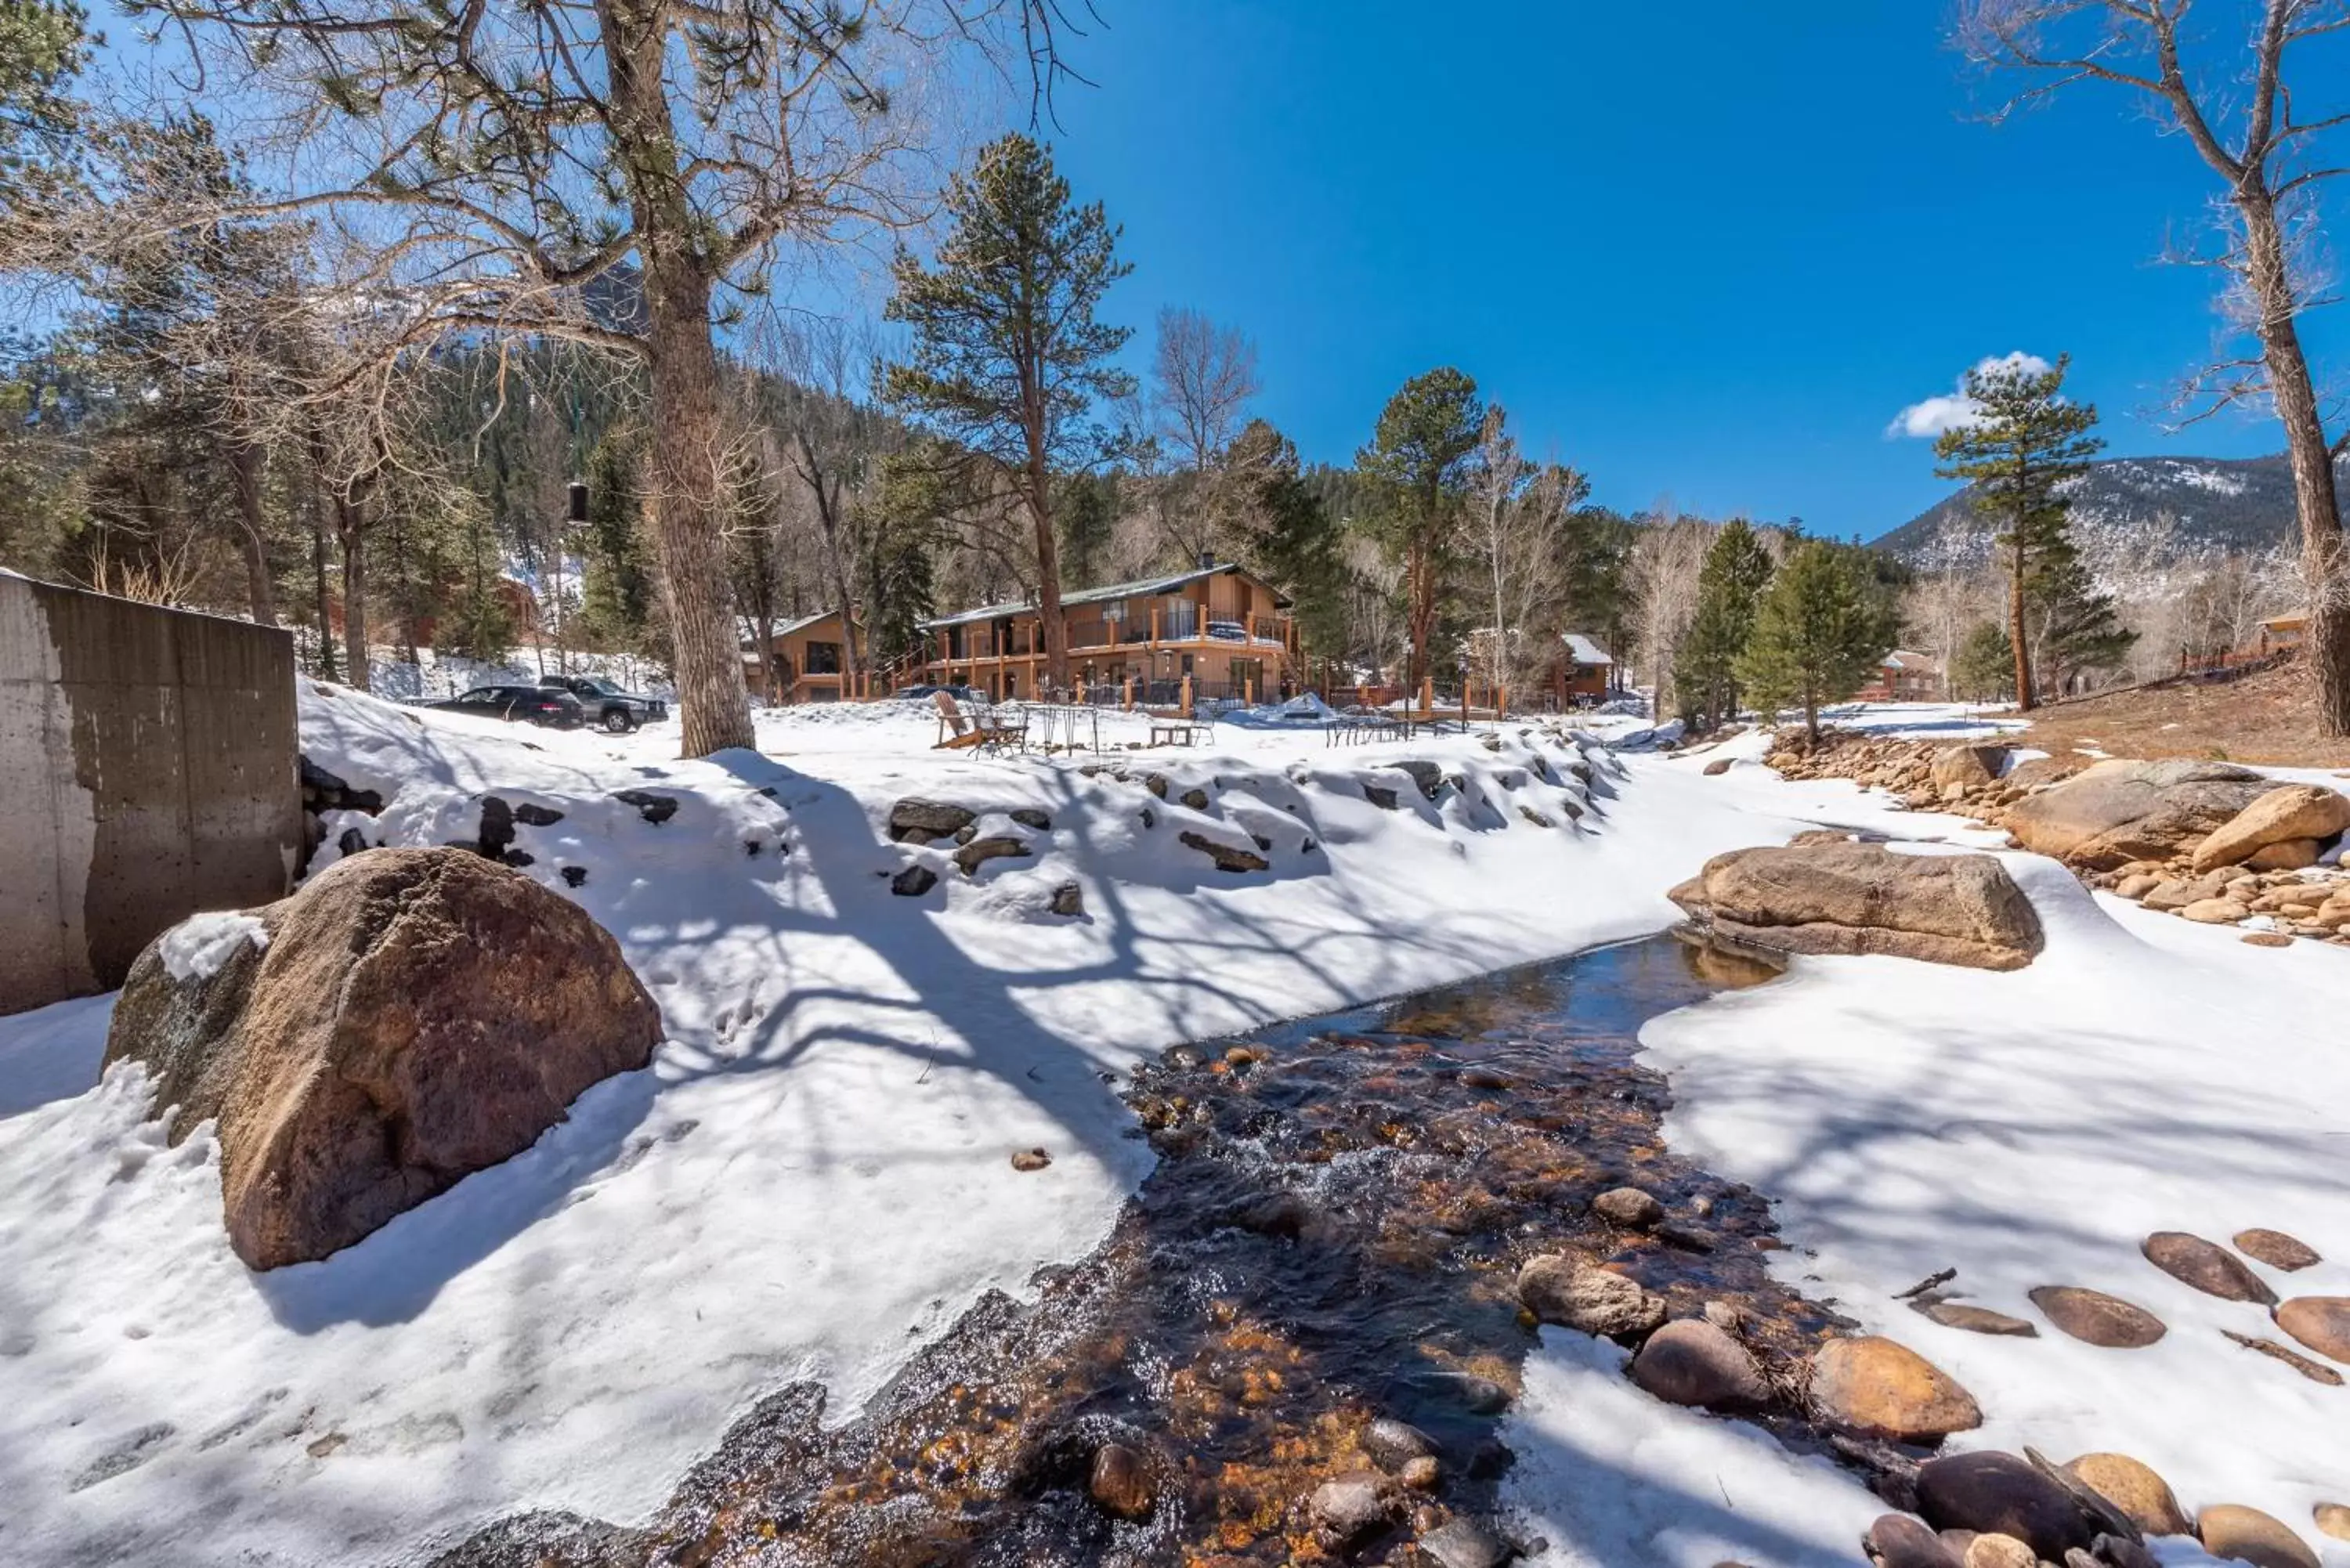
{"x": 2229, "y": 504}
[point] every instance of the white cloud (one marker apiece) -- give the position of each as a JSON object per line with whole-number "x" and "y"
{"x": 1931, "y": 416}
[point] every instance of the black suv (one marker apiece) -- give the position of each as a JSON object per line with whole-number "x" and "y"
{"x": 556, "y": 710}
{"x": 605, "y": 703}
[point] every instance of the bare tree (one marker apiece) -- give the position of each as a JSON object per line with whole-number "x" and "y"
{"x": 2270, "y": 150}
{"x": 1206, "y": 374}
{"x": 829, "y": 433}
{"x": 614, "y": 174}
{"x": 1512, "y": 533}
{"x": 1667, "y": 560}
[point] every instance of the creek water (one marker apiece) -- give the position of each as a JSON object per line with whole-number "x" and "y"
{"x": 1331, "y": 1237}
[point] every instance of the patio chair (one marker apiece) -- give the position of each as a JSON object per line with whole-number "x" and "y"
{"x": 1003, "y": 728}
{"x": 956, "y": 730}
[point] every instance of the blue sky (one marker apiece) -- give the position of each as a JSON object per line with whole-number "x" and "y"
{"x": 1709, "y": 251}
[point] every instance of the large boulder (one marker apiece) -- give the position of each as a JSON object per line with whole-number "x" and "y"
{"x": 408, "y": 1017}
{"x": 2118, "y": 810}
{"x": 1846, "y": 898}
{"x": 1969, "y": 765}
{"x": 2284, "y": 816}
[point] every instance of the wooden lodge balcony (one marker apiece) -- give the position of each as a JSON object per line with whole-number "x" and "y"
{"x": 1180, "y": 627}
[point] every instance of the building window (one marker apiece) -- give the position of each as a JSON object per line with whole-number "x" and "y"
{"x": 824, "y": 658}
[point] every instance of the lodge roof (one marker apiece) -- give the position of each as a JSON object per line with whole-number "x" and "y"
{"x": 1139, "y": 586}
{"x": 1584, "y": 649}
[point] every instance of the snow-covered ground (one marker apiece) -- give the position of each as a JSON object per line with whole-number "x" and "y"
{"x": 813, "y": 1175}
{"x": 2030, "y": 1128}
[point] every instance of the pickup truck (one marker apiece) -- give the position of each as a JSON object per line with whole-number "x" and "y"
{"x": 603, "y": 703}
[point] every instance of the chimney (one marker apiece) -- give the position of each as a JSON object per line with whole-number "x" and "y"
{"x": 1207, "y": 560}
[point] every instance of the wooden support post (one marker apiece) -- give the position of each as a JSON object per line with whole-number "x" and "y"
{"x": 1428, "y": 693}
{"x": 1187, "y": 697}
{"x": 1126, "y": 695}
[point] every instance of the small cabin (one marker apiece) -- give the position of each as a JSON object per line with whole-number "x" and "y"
{"x": 1905, "y": 676}
{"x": 807, "y": 661}
{"x": 1583, "y": 672}
{"x": 2280, "y": 632}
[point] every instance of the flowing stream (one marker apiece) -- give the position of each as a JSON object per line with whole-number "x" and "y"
{"x": 1331, "y": 1237}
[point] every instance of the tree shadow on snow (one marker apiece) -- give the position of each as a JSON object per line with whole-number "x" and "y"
{"x": 956, "y": 1012}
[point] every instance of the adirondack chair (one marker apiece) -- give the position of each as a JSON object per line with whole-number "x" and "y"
{"x": 956, "y": 730}
{"x": 988, "y": 729}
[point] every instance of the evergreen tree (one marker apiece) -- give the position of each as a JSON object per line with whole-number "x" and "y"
{"x": 43, "y": 44}
{"x": 1286, "y": 533}
{"x": 1087, "y": 509}
{"x": 616, "y": 589}
{"x": 480, "y": 624}
{"x": 2073, "y": 626}
{"x": 1705, "y": 678}
{"x": 1819, "y": 633}
{"x": 904, "y": 512}
{"x": 1597, "y": 547}
{"x": 1007, "y": 359}
{"x": 1418, "y": 464}
{"x": 2020, "y": 450}
{"x": 1984, "y": 668}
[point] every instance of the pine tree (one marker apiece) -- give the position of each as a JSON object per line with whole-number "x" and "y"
{"x": 1418, "y": 463}
{"x": 1819, "y": 632}
{"x": 44, "y": 44}
{"x": 1984, "y": 668}
{"x": 1282, "y": 530}
{"x": 480, "y": 624}
{"x": 1085, "y": 507}
{"x": 2074, "y": 628}
{"x": 902, "y": 516}
{"x": 616, "y": 589}
{"x": 1007, "y": 359}
{"x": 1705, "y": 678}
{"x": 2020, "y": 450}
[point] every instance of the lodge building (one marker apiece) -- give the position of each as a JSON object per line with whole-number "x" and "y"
{"x": 1228, "y": 631}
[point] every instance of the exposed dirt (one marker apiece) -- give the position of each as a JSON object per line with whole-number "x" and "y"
{"x": 2269, "y": 717}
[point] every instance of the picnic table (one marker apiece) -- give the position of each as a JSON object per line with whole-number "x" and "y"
{"x": 1357, "y": 727}
{"x": 1175, "y": 732}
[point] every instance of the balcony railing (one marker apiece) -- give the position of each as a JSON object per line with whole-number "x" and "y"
{"x": 1179, "y": 622}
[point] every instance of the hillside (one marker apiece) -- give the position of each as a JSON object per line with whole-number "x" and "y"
{"x": 2268, "y": 719}
{"x": 2236, "y": 503}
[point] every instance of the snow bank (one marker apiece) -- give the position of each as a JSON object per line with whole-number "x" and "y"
{"x": 2031, "y": 1129}
{"x": 811, "y": 1178}
{"x": 1608, "y": 1478}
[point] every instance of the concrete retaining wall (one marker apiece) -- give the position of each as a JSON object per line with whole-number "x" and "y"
{"x": 147, "y": 771}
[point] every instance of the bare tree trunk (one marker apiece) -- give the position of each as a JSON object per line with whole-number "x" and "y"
{"x": 1048, "y": 554}
{"x": 713, "y": 704}
{"x": 2026, "y": 698}
{"x": 244, "y": 471}
{"x": 2312, "y": 460}
{"x": 352, "y": 532}
{"x": 1420, "y": 586}
{"x": 826, "y": 487}
{"x": 325, "y": 602}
